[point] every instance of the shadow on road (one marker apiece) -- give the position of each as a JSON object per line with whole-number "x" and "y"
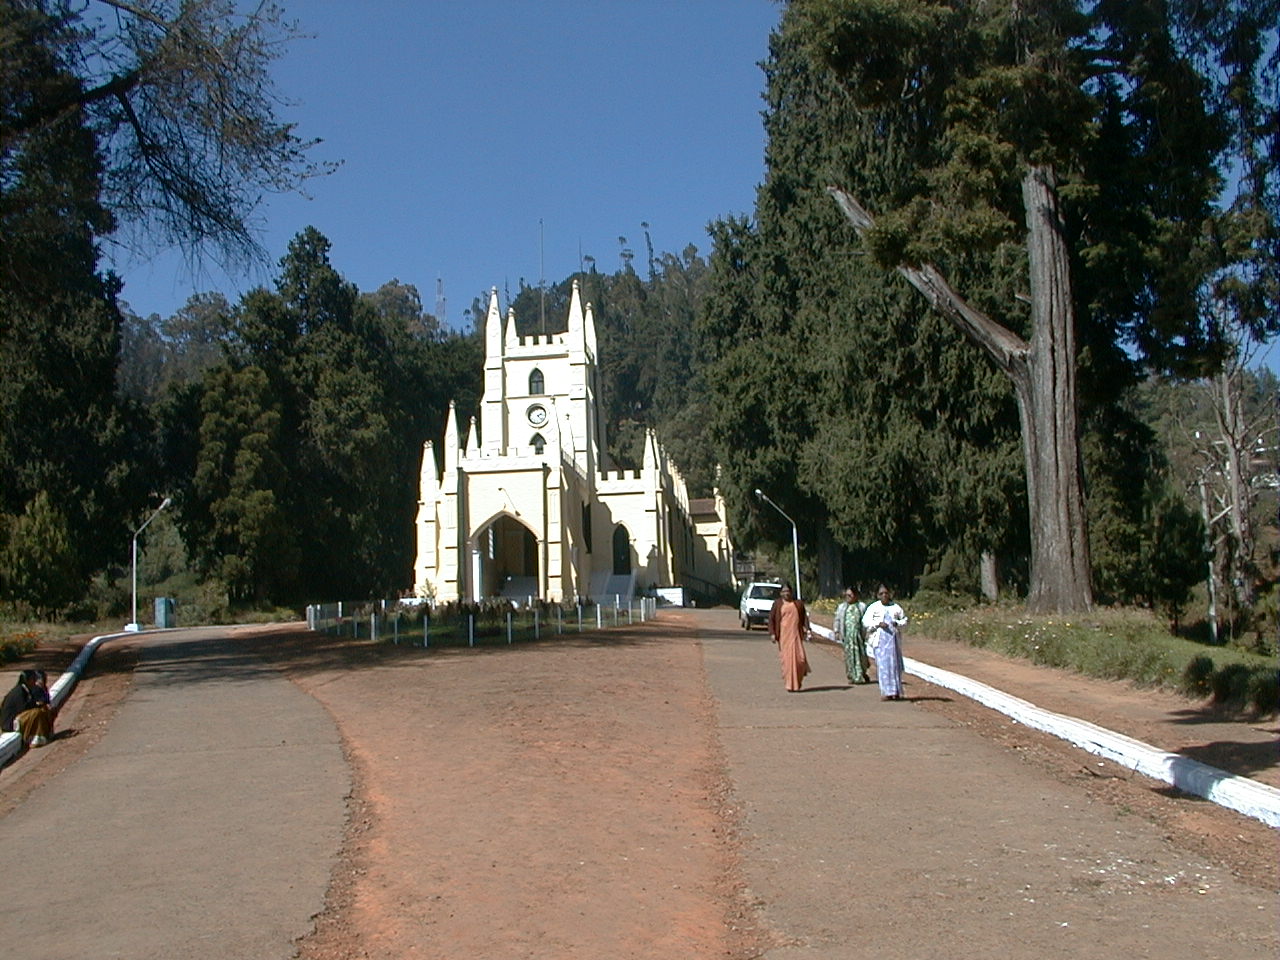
{"x": 246, "y": 656}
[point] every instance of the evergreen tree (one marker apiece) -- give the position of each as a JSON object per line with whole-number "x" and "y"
{"x": 64, "y": 436}
{"x": 310, "y": 434}
{"x": 837, "y": 394}
{"x": 236, "y": 511}
{"x": 1069, "y": 153}
{"x": 39, "y": 568}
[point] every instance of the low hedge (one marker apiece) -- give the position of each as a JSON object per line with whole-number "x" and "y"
{"x": 1115, "y": 644}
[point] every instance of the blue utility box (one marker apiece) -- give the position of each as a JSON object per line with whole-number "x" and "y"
{"x": 164, "y": 612}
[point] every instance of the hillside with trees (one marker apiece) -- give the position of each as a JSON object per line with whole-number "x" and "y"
{"x": 863, "y": 347}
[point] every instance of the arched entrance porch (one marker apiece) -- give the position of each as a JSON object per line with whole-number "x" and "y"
{"x": 505, "y": 561}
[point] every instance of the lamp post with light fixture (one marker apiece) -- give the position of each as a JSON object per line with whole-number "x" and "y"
{"x": 133, "y": 626}
{"x": 795, "y": 536}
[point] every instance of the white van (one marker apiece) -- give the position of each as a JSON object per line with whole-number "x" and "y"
{"x": 757, "y": 601}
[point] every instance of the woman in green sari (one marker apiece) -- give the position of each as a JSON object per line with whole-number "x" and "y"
{"x": 848, "y": 630}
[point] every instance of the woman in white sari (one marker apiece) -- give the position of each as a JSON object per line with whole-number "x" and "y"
{"x": 883, "y": 623}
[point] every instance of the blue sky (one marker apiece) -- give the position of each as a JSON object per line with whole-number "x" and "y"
{"x": 461, "y": 124}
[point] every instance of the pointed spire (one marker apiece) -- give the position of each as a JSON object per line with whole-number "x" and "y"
{"x": 451, "y": 438}
{"x": 589, "y": 330}
{"x": 513, "y": 339}
{"x": 493, "y": 327}
{"x": 575, "y": 316}
{"x": 473, "y": 442}
{"x": 650, "y": 451}
{"x": 428, "y": 478}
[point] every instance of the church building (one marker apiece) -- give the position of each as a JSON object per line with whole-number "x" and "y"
{"x": 530, "y": 507}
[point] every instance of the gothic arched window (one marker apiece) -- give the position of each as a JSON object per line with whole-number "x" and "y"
{"x": 537, "y": 443}
{"x": 536, "y": 383}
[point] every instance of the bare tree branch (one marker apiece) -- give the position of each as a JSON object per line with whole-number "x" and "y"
{"x": 1009, "y": 350}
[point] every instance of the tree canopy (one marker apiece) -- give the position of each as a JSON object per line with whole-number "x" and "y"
{"x": 1059, "y": 164}
{"x": 292, "y": 459}
{"x": 154, "y": 119}
{"x": 177, "y": 98}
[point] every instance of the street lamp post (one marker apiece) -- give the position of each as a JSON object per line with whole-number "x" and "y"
{"x": 133, "y": 626}
{"x": 795, "y": 536}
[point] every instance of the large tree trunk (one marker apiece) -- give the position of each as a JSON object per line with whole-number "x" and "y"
{"x": 1237, "y": 444}
{"x": 1060, "y": 574}
{"x": 989, "y": 576}
{"x": 1043, "y": 373}
{"x": 830, "y": 566}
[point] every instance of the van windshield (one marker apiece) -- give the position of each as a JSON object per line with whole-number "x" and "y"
{"x": 765, "y": 591}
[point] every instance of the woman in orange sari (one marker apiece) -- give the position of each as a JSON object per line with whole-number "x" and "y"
{"x": 788, "y": 628}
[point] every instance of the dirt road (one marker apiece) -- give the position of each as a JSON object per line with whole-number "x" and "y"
{"x": 654, "y": 793}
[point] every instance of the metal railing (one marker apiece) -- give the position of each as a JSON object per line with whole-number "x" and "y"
{"x": 466, "y": 624}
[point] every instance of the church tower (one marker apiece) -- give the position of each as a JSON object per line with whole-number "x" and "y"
{"x": 526, "y": 504}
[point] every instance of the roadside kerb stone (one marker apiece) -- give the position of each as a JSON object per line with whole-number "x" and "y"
{"x": 1253, "y": 799}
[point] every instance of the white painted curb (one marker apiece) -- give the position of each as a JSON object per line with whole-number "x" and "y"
{"x": 61, "y": 689}
{"x": 1253, "y": 799}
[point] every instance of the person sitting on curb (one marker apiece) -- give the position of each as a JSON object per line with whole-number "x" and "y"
{"x": 26, "y": 711}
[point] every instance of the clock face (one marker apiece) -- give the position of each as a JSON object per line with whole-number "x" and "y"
{"x": 537, "y": 414}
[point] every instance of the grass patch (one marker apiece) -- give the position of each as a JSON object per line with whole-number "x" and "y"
{"x": 1114, "y": 644}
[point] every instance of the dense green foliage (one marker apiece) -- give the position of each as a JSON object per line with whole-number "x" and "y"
{"x": 292, "y": 458}
{"x": 156, "y": 116}
{"x": 64, "y": 434}
{"x": 830, "y": 387}
{"x": 834, "y": 388}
